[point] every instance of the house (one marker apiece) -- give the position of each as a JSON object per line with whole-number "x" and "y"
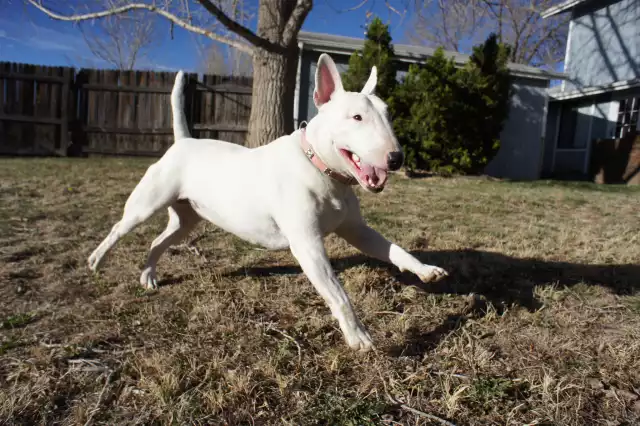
{"x": 522, "y": 139}
{"x": 600, "y": 99}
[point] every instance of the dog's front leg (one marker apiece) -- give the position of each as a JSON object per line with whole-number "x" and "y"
{"x": 310, "y": 253}
{"x": 366, "y": 239}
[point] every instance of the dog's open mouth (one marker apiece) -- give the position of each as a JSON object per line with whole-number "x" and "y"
{"x": 370, "y": 177}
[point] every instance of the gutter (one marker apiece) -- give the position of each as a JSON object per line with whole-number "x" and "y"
{"x": 595, "y": 90}
{"x": 560, "y": 8}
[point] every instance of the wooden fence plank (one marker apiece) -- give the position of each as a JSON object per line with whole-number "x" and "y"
{"x": 45, "y": 125}
{"x": 14, "y": 106}
{"x": 64, "y": 112}
{"x": 4, "y": 128}
{"x": 27, "y": 109}
{"x": 55, "y": 101}
{"x": 111, "y": 106}
{"x": 2, "y": 83}
{"x": 79, "y": 137}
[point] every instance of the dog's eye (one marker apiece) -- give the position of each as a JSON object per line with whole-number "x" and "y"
{"x": 357, "y": 117}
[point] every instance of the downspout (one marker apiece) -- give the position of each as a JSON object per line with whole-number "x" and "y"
{"x": 543, "y": 134}
{"x": 296, "y": 96}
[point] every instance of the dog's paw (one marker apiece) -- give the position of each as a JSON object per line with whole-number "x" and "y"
{"x": 360, "y": 340}
{"x": 148, "y": 279}
{"x": 93, "y": 262}
{"x": 430, "y": 273}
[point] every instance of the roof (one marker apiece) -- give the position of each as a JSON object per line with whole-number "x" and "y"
{"x": 562, "y": 7}
{"x": 330, "y": 43}
{"x": 557, "y": 94}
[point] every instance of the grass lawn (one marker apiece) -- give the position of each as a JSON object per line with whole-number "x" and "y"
{"x": 539, "y": 322}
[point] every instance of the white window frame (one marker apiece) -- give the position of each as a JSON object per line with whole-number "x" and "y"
{"x": 635, "y": 107}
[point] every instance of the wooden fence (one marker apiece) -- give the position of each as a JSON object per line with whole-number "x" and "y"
{"x": 61, "y": 111}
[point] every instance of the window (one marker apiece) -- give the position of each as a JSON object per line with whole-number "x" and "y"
{"x": 627, "y": 117}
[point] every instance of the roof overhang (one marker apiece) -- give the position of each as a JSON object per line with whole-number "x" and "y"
{"x": 589, "y": 91}
{"x": 332, "y": 44}
{"x": 561, "y": 8}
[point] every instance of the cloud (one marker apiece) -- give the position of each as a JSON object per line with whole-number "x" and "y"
{"x": 61, "y": 41}
{"x": 44, "y": 44}
{"x": 6, "y": 36}
{"x": 50, "y": 39}
{"x": 41, "y": 38}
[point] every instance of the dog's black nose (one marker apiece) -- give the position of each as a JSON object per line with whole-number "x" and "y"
{"x": 395, "y": 160}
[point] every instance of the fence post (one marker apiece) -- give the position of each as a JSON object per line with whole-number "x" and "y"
{"x": 78, "y": 135}
{"x": 64, "y": 112}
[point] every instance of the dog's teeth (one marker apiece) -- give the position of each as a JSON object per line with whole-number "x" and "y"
{"x": 355, "y": 158}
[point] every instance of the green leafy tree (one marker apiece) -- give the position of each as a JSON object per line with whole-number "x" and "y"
{"x": 449, "y": 119}
{"x": 377, "y": 51}
{"x": 486, "y": 89}
{"x": 423, "y": 106}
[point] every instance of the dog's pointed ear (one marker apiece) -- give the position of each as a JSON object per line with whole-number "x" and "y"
{"x": 371, "y": 83}
{"x": 328, "y": 80}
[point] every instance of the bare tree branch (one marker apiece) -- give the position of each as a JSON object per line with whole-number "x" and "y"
{"x": 148, "y": 7}
{"x": 460, "y": 24}
{"x": 299, "y": 14}
{"x": 224, "y": 60}
{"x": 237, "y": 28}
{"x": 352, "y": 8}
{"x": 120, "y": 40}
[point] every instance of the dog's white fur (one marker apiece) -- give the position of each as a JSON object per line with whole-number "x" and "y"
{"x": 273, "y": 195}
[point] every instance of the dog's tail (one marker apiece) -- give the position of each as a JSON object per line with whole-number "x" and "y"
{"x": 180, "y": 128}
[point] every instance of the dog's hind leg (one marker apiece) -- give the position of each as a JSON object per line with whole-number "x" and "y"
{"x": 182, "y": 219}
{"x": 156, "y": 190}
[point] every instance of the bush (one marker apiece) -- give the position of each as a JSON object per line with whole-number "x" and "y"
{"x": 449, "y": 119}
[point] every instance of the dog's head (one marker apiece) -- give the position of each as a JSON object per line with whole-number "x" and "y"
{"x": 352, "y": 132}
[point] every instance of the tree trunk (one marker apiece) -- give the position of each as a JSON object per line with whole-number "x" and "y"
{"x": 274, "y": 82}
{"x": 274, "y": 73}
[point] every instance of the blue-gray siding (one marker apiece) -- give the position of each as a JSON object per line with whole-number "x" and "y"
{"x": 604, "y": 45}
{"x": 520, "y": 154}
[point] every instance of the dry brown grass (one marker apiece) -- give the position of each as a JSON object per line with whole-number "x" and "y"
{"x": 539, "y": 322}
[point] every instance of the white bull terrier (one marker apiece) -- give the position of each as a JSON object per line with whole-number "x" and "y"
{"x": 290, "y": 193}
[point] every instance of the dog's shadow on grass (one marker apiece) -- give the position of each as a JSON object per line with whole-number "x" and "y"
{"x": 502, "y": 280}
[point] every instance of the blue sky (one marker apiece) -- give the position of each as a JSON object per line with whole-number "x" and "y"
{"x": 29, "y": 36}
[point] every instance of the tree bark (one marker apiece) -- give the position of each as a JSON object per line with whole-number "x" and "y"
{"x": 274, "y": 82}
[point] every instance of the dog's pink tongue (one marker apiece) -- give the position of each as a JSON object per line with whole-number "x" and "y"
{"x": 378, "y": 176}
{"x": 367, "y": 170}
